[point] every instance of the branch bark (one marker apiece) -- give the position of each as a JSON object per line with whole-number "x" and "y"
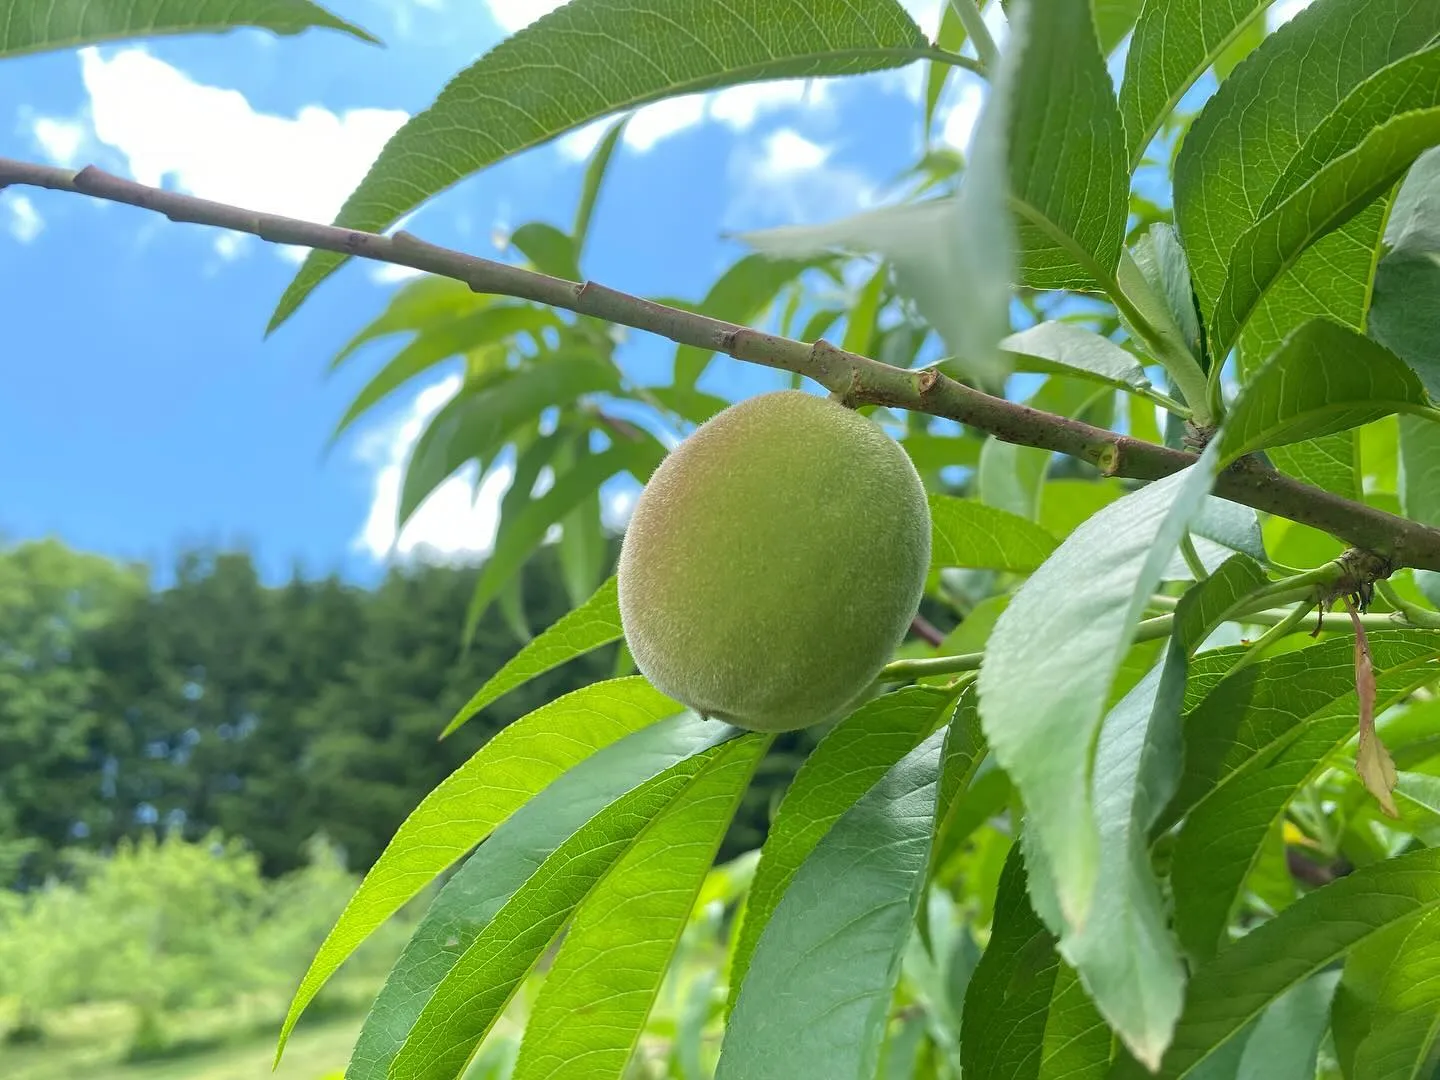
{"x": 857, "y": 379}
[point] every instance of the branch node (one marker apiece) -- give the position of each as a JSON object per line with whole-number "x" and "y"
{"x": 1107, "y": 459}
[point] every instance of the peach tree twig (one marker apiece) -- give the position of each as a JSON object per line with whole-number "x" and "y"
{"x": 858, "y": 380}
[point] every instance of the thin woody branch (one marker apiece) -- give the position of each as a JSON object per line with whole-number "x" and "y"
{"x": 858, "y": 379}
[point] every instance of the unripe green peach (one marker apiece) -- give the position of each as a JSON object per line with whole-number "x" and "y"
{"x": 774, "y": 561}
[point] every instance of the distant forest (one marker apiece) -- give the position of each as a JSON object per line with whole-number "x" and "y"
{"x": 273, "y": 714}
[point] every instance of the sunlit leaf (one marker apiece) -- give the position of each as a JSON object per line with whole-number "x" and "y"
{"x": 501, "y": 777}
{"x": 595, "y": 173}
{"x": 482, "y": 980}
{"x": 1404, "y": 1020}
{"x": 1223, "y": 837}
{"x": 1067, "y": 349}
{"x": 473, "y": 424}
{"x": 849, "y": 761}
{"x": 417, "y": 305}
{"x": 577, "y": 64}
{"x": 591, "y": 625}
{"x": 1175, "y": 41}
{"x": 1310, "y": 934}
{"x": 1326, "y": 201}
{"x": 504, "y": 862}
{"x": 438, "y": 343}
{"x": 1026, "y": 1016}
{"x": 521, "y": 536}
{"x": 742, "y": 293}
{"x": 1248, "y": 132}
{"x": 969, "y": 533}
{"x": 1055, "y": 652}
{"x": 617, "y": 949}
{"x": 547, "y": 249}
{"x": 1325, "y": 378}
{"x": 1068, "y": 172}
{"x": 817, "y": 993}
{"x": 1238, "y": 724}
{"x": 37, "y": 27}
{"x": 1285, "y": 1042}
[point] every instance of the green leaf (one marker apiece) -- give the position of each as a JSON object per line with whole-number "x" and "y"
{"x": 849, "y": 761}
{"x": 695, "y": 406}
{"x": 435, "y": 344}
{"x": 742, "y": 294}
{"x": 1068, "y": 171}
{"x": 1325, "y": 378}
{"x": 1026, "y": 1016}
{"x": 861, "y": 319}
{"x": 474, "y": 423}
{"x": 968, "y": 301}
{"x": 816, "y": 996}
{"x": 466, "y": 806}
{"x": 1078, "y": 1044}
{"x": 1238, "y": 723}
{"x": 1285, "y": 1043}
{"x": 1011, "y": 477}
{"x": 578, "y": 64}
{"x": 1223, "y": 837}
{"x": 482, "y": 980}
{"x": 1165, "y": 272}
{"x": 417, "y": 305}
{"x": 1248, "y": 132}
{"x": 1330, "y": 198}
{"x": 1139, "y": 987}
{"x": 1312, "y": 933}
{"x": 582, "y": 547}
{"x": 1233, "y": 526}
{"x": 1420, "y": 485}
{"x": 913, "y": 239}
{"x": 969, "y": 533}
{"x": 1404, "y": 314}
{"x": 1066, "y": 349}
{"x": 548, "y": 250}
{"x": 930, "y": 453}
{"x": 1055, "y": 652}
{"x": 1125, "y": 953}
{"x": 521, "y": 535}
{"x": 1113, "y": 20}
{"x": 951, "y": 38}
{"x": 38, "y": 27}
{"x": 506, "y": 861}
{"x": 594, "y": 624}
{"x": 603, "y": 981}
{"x": 1175, "y": 42}
{"x": 1404, "y": 1029}
{"x": 594, "y": 178}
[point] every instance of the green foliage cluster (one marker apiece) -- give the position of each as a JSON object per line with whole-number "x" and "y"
{"x": 218, "y": 703}
{"x": 166, "y": 925}
{"x": 1127, "y": 817}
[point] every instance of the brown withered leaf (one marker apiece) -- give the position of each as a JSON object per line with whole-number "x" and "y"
{"x": 1372, "y": 761}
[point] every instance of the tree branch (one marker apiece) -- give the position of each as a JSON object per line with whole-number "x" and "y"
{"x": 857, "y": 379}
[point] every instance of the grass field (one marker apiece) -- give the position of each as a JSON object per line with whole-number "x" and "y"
{"x": 89, "y": 1044}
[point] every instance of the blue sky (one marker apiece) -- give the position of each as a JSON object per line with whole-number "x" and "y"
{"x": 142, "y": 411}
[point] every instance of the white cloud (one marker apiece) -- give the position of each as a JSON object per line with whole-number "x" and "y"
{"x": 790, "y": 181}
{"x": 456, "y": 522}
{"x": 957, "y": 122}
{"x": 736, "y": 107}
{"x": 209, "y": 141}
{"x": 60, "y": 139}
{"x": 1285, "y": 10}
{"x": 389, "y": 273}
{"x": 512, "y": 15}
{"x": 25, "y": 221}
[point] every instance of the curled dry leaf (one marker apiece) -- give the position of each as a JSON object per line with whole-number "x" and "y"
{"x": 1372, "y": 760}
